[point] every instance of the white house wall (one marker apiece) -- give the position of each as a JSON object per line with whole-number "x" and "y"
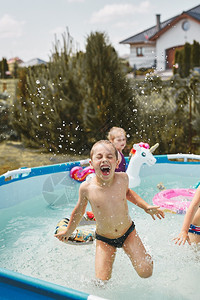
{"x": 147, "y": 60}
{"x": 173, "y": 37}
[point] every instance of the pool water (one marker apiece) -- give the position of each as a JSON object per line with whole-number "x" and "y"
{"x": 28, "y": 246}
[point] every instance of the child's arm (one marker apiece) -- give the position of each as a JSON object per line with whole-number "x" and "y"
{"x": 150, "y": 209}
{"x": 76, "y": 215}
{"x": 183, "y": 235}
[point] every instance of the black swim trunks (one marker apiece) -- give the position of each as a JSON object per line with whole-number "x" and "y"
{"x": 118, "y": 243}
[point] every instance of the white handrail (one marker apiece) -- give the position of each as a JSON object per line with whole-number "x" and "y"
{"x": 13, "y": 173}
{"x": 85, "y": 162}
{"x": 184, "y": 156}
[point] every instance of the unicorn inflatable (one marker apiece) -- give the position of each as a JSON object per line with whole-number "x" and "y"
{"x": 142, "y": 155}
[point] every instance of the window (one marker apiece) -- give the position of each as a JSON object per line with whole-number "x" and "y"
{"x": 140, "y": 51}
{"x": 186, "y": 25}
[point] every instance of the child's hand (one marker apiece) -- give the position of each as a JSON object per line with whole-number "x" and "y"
{"x": 154, "y": 210}
{"x": 62, "y": 236}
{"x": 182, "y": 238}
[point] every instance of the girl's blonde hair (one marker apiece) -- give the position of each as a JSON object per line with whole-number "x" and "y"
{"x": 114, "y": 131}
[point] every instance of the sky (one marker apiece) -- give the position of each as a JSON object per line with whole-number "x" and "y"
{"x": 28, "y": 28}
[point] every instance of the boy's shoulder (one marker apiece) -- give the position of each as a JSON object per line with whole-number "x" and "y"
{"x": 85, "y": 185}
{"x": 84, "y": 189}
{"x": 121, "y": 175}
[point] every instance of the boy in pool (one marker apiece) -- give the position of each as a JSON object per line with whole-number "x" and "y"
{"x": 190, "y": 231}
{"x": 107, "y": 193}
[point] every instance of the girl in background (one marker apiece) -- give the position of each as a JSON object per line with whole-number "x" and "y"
{"x": 117, "y": 136}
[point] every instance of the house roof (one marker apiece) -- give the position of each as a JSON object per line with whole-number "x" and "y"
{"x": 14, "y": 59}
{"x": 33, "y": 62}
{"x": 151, "y": 34}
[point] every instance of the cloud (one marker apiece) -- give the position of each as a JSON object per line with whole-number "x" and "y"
{"x": 114, "y": 11}
{"x": 10, "y": 28}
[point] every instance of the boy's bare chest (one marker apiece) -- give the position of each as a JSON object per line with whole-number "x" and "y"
{"x": 107, "y": 196}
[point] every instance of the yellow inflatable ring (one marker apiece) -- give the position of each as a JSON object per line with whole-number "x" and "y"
{"x": 79, "y": 235}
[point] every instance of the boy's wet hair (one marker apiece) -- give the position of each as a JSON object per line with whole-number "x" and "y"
{"x": 114, "y": 131}
{"x": 103, "y": 142}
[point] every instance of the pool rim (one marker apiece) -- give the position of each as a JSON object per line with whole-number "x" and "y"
{"x": 25, "y": 173}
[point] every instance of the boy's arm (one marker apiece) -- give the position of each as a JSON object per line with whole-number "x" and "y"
{"x": 76, "y": 215}
{"x": 183, "y": 235}
{"x": 150, "y": 209}
{"x": 136, "y": 199}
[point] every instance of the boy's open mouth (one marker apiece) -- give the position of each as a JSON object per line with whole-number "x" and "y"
{"x": 105, "y": 170}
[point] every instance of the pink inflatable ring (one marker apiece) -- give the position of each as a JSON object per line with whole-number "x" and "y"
{"x": 80, "y": 174}
{"x": 174, "y": 200}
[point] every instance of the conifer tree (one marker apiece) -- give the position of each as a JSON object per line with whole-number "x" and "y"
{"x": 186, "y": 60}
{"x": 195, "y": 54}
{"x": 108, "y": 97}
{"x": 48, "y": 114}
{"x": 3, "y": 68}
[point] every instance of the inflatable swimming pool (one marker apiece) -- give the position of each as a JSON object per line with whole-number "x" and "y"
{"x": 33, "y": 200}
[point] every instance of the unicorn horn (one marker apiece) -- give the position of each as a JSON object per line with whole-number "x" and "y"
{"x": 153, "y": 148}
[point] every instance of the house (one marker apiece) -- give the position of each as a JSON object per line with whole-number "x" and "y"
{"x": 8, "y": 89}
{"x": 156, "y": 46}
{"x": 8, "y": 86}
{"x": 32, "y": 62}
{"x": 13, "y": 63}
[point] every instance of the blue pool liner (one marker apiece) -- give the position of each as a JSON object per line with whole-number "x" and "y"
{"x": 18, "y": 286}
